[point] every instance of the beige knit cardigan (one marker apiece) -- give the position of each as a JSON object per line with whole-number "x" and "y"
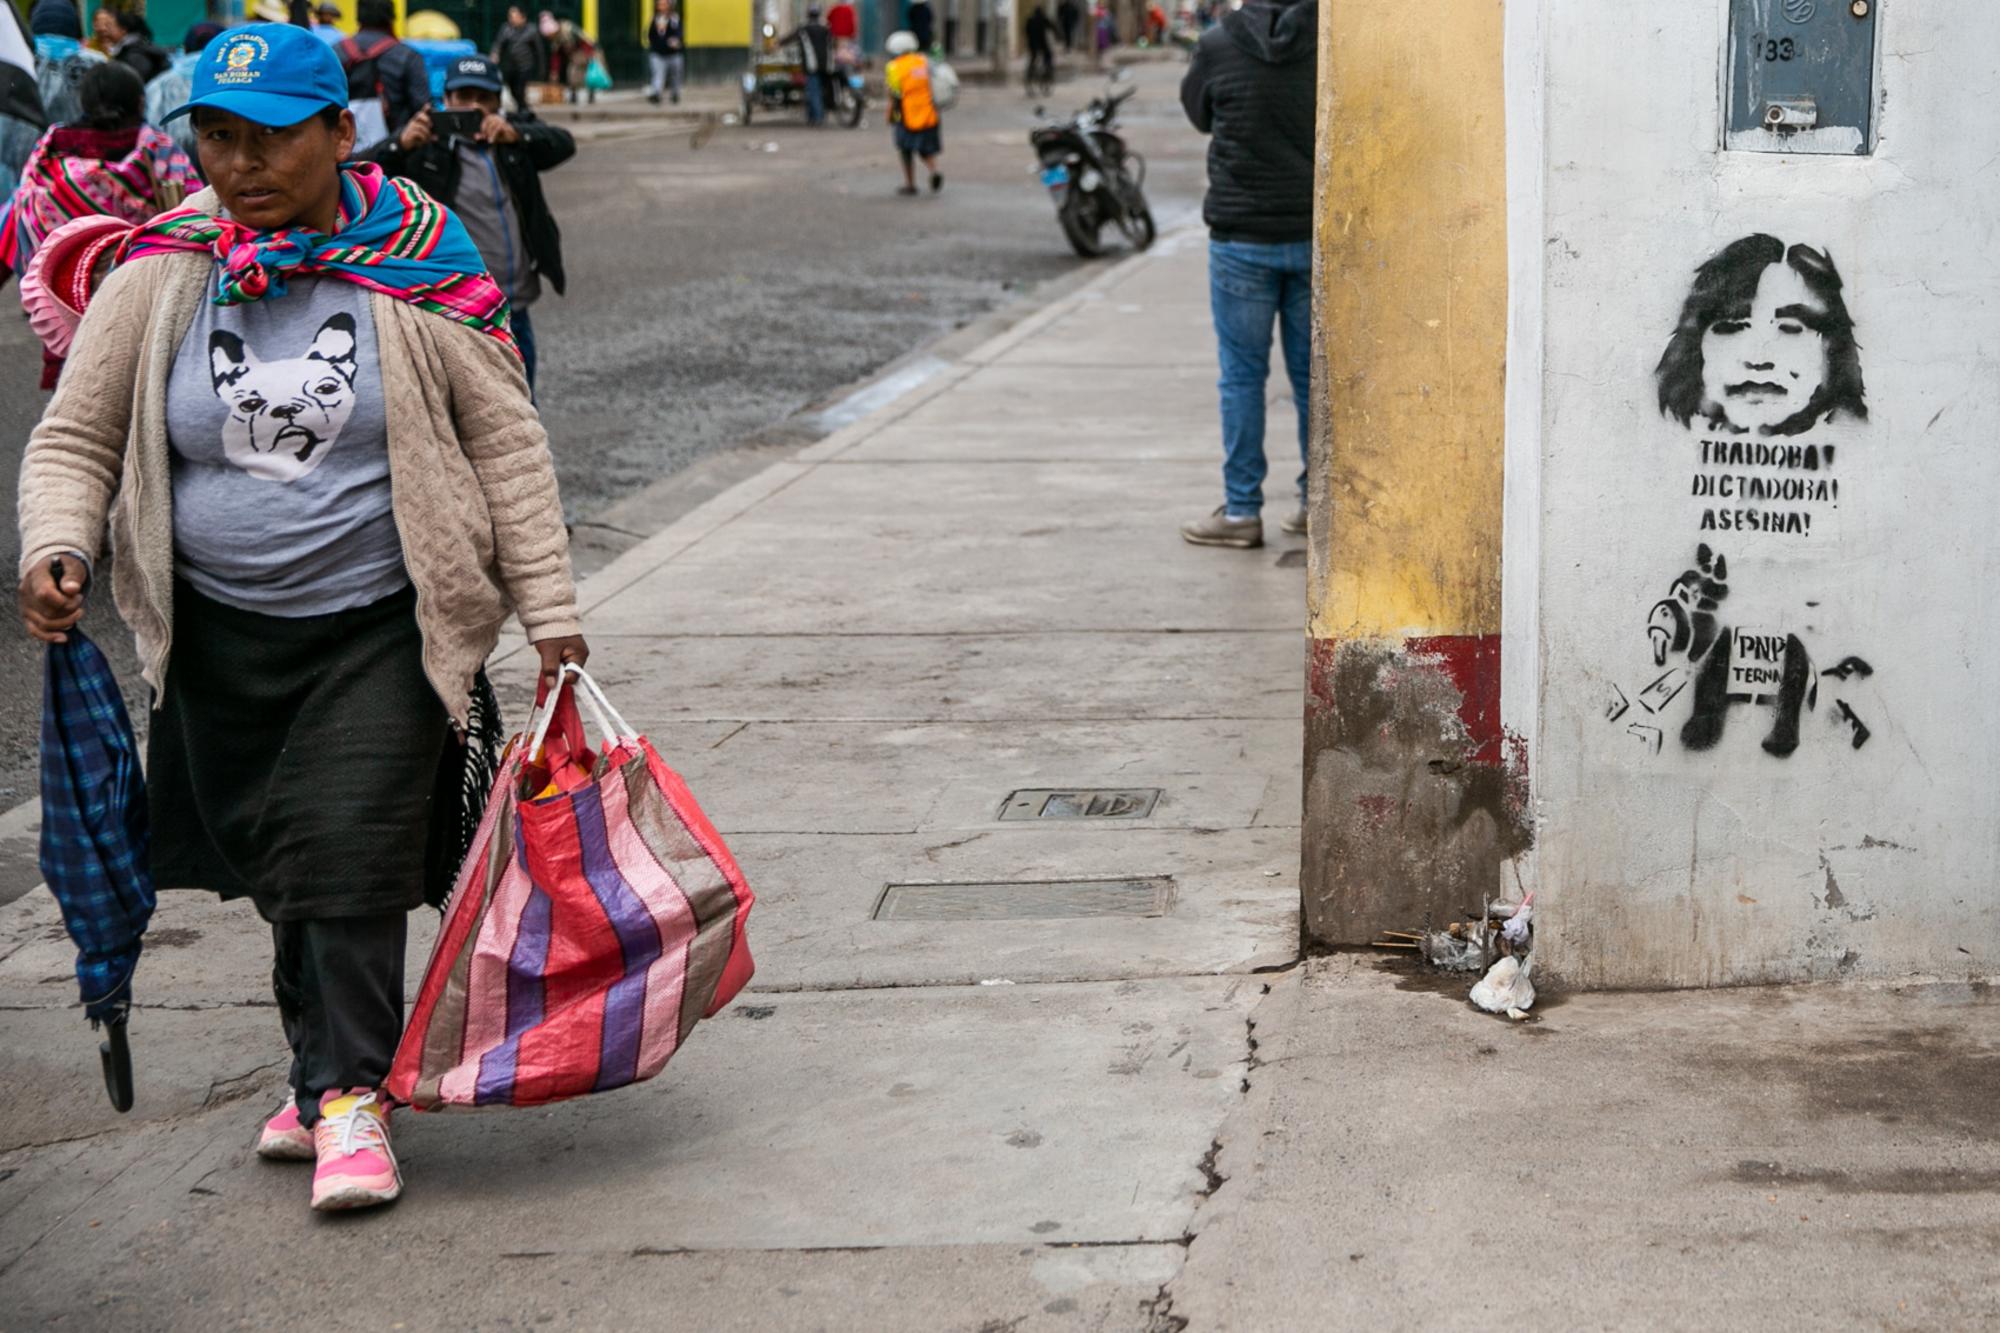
{"x": 472, "y": 484}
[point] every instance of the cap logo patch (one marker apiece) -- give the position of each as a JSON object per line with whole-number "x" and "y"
{"x": 238, "y": 55}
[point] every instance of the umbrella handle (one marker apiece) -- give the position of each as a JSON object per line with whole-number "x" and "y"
{"x": 116, "y": 1056}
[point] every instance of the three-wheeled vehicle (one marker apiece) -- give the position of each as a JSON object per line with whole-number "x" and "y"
{"x": 776, "y": 81}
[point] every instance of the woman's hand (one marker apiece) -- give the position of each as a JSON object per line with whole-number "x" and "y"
{"x": 49, "y": 606}
{"x": 555, "y": 652}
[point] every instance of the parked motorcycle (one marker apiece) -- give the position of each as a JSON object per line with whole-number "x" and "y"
{"x": 1093, "y": 178}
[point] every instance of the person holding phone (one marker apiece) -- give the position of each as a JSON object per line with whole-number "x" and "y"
{"x": 487, "y": 167}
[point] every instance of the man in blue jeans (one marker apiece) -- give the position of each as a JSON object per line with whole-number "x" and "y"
{"x": 1251, "y": 88}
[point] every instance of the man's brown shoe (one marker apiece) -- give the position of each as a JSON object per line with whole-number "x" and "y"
{"x": 1294, "y": 524}
{"x": 1219, "y": 529}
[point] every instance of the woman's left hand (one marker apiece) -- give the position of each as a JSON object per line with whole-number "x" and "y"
{"x": 555, "y": 652}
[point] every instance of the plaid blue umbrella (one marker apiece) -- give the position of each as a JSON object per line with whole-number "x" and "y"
{"x": 94, "y": 831}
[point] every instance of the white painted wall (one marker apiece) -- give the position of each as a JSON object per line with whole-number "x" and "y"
{"x": 1697, "y": 868}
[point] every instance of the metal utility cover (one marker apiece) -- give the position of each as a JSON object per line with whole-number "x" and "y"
{"x": 1080, "y": 803}
{"x": 1027, "y": 900}
{"x": 1801, "y": 76}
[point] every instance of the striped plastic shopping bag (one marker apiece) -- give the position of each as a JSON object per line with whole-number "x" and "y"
{"x": 596, "y": 919}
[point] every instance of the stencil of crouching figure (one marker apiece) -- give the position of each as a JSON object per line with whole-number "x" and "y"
{"x": 1732, "y": 666}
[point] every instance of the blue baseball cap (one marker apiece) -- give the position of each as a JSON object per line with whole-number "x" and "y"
{"x": 270, "y": 73}
{"x": 472, "y": 72}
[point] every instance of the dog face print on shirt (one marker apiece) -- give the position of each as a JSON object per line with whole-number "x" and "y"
{"x": 284, "y": 415}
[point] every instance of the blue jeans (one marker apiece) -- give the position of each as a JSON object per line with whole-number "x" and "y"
{"x": 1249, "y": 286}
{"x": 524, "y": 338}
{"x": 815, "y": 98}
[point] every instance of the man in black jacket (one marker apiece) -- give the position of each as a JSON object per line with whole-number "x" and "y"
{"x": 521, "y": 53}
{"x": 493, "y": 182}
{"x": 1251, "y": 86}
{"x": 387, "y": 82}
{"x": 813, "y": 40}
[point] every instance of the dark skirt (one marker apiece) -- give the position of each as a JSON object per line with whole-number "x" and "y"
{"x": 295, "y": 762}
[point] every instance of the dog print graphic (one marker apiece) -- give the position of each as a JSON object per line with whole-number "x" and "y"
{"x": 284, "y": 415}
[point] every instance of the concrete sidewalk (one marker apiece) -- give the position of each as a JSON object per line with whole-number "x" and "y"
{"x": 855, "y": 658}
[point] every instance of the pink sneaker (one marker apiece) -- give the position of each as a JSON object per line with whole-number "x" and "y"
{"x": 351, "y": 1139}
{"x": 284, "y": 1139}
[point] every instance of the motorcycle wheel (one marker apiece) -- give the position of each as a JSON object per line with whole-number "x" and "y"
{"x": 856, "y": 108}
{"x": 1138, "y": 225}
{"x": 1081, "y": 233}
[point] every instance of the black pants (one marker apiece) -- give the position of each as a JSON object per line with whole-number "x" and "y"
{"x": 1041, "y": 58}
{"x": 339, "y": 984}
{"x": 517, "y": 84}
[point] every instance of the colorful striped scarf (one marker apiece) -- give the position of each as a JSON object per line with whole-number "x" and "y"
{"x": 390, "y": 237}
{"x": 73, "y": 173}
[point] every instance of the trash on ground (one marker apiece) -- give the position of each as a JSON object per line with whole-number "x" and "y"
{"x": 1454, "y": 952}
{"x": 1506, "y": 989}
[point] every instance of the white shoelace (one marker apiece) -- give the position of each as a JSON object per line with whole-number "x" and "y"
{"x": 353, "y": 1129}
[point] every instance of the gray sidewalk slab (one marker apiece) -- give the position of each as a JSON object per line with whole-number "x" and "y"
{"x": 1806, "y": 1157}
{"x": 854, "y": 1120}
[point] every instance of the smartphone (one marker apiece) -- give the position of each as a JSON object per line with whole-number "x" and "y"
{"x": 456, "y": 124}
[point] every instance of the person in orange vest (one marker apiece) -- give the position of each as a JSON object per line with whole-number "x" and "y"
{"x": 913, "y": 111}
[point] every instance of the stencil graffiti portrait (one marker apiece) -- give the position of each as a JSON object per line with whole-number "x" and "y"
{"x": 1764, "y": 352}
{"x": 1764, "y": 345}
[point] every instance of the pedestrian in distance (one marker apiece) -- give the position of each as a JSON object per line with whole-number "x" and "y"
{"x": 1041, "y": 50}
{"x": 522, "y": 55}
{"x": 845, "y": 25}
{"x": 297, "y": 407}
{"x": 61, "y": 59}
{"x": 923, "y": 23}
{"x": 491, "y": 178}
{"x": 1068, "y": 15}
{"x": 171, "y": 89}
{"x": 127, "y": 39}
{"x": 1250, "y": 87}
{"x": 813, "y": 43}
{"x": 666, "y": 52}
{"x": 326, "y": 21}
{"x": 913, "y": 111}
{"x": 574, "y": 53}
{"x": 387, "y": 82}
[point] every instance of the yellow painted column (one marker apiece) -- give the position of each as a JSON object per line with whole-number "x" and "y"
{"x": 1409, "y": 805}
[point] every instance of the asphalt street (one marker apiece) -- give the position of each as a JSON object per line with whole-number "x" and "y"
{"x": 722, "y": 283}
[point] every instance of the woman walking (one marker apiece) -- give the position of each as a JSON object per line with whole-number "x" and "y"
{"x": 297, "y": 403}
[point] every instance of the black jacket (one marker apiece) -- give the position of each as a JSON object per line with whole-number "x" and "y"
{"x": 521, "y": 51}
{"x": 436, "y": 167}
{"x": 1251, "y": 86}
{"x": 142, "y": 58}
{"x": 814, "y": 41}
{"x": 666, "y": 37}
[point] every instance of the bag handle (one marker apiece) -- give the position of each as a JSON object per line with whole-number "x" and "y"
{"x": 610, "y": 722}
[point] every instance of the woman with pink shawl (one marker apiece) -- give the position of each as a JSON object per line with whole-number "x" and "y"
{"x": 109, "y": 164}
